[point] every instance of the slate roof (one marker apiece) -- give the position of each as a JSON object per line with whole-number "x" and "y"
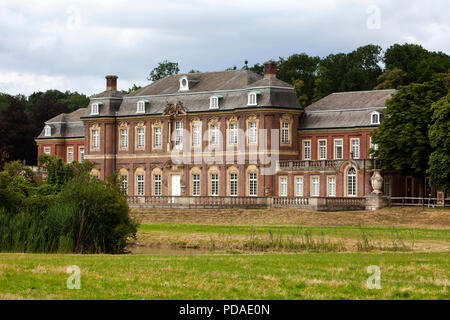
{"x": 344, "y": 110}
{"x": 66, "y": 125}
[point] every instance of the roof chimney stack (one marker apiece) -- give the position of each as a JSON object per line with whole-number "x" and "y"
{"x": 111, "y": 83}
{"x": 270, "y": 69}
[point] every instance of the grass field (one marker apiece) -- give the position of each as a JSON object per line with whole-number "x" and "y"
{"x": 219, "y": 265}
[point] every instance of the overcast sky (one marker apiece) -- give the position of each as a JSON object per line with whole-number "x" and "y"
{"x": 72, "y": 45}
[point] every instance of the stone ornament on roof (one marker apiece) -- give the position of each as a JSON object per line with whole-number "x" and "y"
{"x": 174, "y": 109}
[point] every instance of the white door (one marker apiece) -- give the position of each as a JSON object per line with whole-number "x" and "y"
{"x": 176, "y": 187}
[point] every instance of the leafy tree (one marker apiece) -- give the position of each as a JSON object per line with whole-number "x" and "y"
{"x": 391, "y": 79}
{"x": 301, "y": 95}
{"x": 402, "y": 137}
{"x": 133, "y": 88}
{"x": 439, "y": 135}
{"x": 299, "y": 67}
{"x": 163, "y": 70}
{"x": 257, "y": 68}
{"x": 194, "y": 71}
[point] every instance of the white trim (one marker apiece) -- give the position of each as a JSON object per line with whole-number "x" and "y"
{"x": 211, "y": 104}
{"x": 303, "y": 149}
{"x": 97, "y": 106}
{"x": 140, "y": 103}
{"x": 340, "y": 110}
{"x": 342, "y": 148}
{"x": 47, "y": 131}
{"x": 318, "y": 149}
{"x": 250, "y": 101}
{"x": 371, "y": 117}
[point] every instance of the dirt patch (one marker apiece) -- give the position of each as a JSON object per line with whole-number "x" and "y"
{"x": 396, "y": 216}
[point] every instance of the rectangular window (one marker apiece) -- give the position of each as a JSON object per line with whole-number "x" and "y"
{"x": 306, "y": 149}
{"x": 140, "y": 185}
{"x": 355, "y": 148}
{"x": 69, "y": 155}
{"x": 141, "y": 137}
{"x": 157, "y": 142}
{"x": 214, "y": 135}
{"x": 299, "y": 186}
{"x": 124, "y": 184}
{"x": 338, "y": 149}
{"x": 315, "y": 186}
{"x": 214, "y": 184}
{"x": 140, "y": 107}
{"x": 233, "y": 184}
{"x": 178, "y": 134}
{"x": 285, "y": 133}
{"x": 387, "y": 186}
{"x": 233, "y": 132}
{"x": 322, "y": 149}
{"x": 196, "y": 135}
{"x": 331, "y": 186}
{"x": 157, "y": 184}
{"x": 252, "y": 137}
{"x": 94, "y": 108}
{"x": 252, "y": 99}
{"x": 252, "y": 184}
{"x": 95, "y": 139}
{"x": 283, "y": 186}
{"x": 81, "y": 154}
{"x": 195, "y": 184}
{"x": 47, "y": 150}
{"x": 214, "y": 103}
{"x": 123, "y": 138}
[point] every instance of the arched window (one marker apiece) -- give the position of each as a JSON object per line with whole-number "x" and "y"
{"x": 375, "y": 117}
{"x": 351, "y": 182}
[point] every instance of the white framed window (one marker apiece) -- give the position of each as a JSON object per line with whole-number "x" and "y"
{"x": 253, "y": 131}
{"x": 141, "y": 137}
{"x": 123, "y": 138}
{"x": 157, "y": 142}
{"x": 322, "y": 149}
{"x": 233, "y": 134}
{"x": 214, "y": 134}
{"x": 285, "y": 133}
{"x": 195, "y": 184}
{"x": 306, "y": 149}
{"x": 338, "y": 148}
{"x": 233, "y": 184}
{"x": 178, "y": 134}
{"x": 47, "y": 131}
{"x": 299, "y": 186}
{"x": 94, "y": 109}
{"x": 140, "y": 185}
{"x": 214, "y": 184}
{"x": 214, "y": 102}
{"x": 157, "y": 184}
{"x": 69, "y": 154}
{"x": 196, "y": 134}
{"x": 252, "y": 99}
{"x": 47, "y": 150}
{"x": 124, "y": 184}
{"x": 81, "y": 154}
{"x": 184, "y": 83}
{"x": 95, "y": 139}
{"x": 332, "y": 186}
{"x": 283, "y": 186}
{"x": 355, "y": 148}
{"x": 252, "y": 184}
{"x": 351, "y": 182}
{"x": 140, "y": 107}
{"x": 315, "y": 186}
{"x": 375, "y": 117}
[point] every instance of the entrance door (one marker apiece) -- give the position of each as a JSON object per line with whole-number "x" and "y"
{"x": 176, "y": 186}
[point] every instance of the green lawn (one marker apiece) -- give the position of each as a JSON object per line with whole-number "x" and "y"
{"x": 218, "y": 276}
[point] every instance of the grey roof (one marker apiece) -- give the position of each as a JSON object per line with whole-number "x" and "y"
{"x": 66, "y": 125}
{"x": 232, "y": 86}
{"x": 344, "y": 110}
{"x": 108, "y": 94}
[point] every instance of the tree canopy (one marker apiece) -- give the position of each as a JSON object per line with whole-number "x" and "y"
{"x": 163, "y": 70}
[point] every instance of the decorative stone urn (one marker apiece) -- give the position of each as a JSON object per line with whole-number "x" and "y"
{"x": 377, "y": 181}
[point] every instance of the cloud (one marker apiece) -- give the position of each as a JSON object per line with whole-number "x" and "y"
{"x": 72, "y": 45}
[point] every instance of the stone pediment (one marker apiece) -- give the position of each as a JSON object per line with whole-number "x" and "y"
{"x": 174, "y": 109}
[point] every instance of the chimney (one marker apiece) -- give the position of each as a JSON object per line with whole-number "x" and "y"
{"x": 270, "y": 69}
{"x": 111, "y": 83}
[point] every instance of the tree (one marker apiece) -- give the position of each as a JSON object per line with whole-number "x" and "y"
{"x": 402, "y": 137}
{"x": 391, "y": 79}
{"x": 300, "y": 67}
{"x": 133, "y": 88}
{"x": 163, "y": 70}
{"x": 439, "y": 135}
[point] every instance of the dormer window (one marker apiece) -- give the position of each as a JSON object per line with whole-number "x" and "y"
{"x": 94, "y": 108}
{"x": 375, "y": 117}
{"x": 253, "y": 98}
{"x": 214, "y": 102}
{"x": 141, "y": 106}
{"x": 47, "y": 131}
{"x": 184, "y": 84}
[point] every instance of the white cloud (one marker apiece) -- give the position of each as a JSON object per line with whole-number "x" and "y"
{"x": 79, "y": 42}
